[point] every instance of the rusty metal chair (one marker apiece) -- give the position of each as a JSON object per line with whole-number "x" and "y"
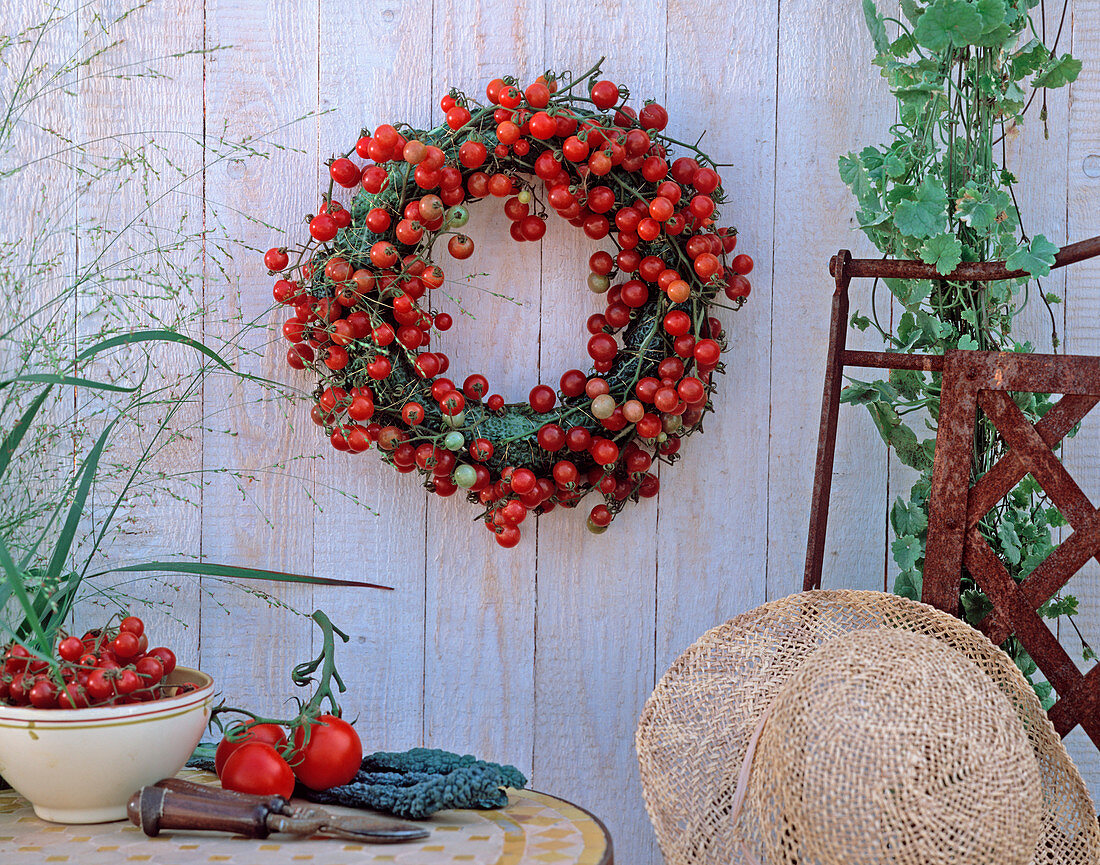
{"x": 974, "y": 380}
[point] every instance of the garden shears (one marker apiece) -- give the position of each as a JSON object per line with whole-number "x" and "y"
{"x": 177, "y": 804}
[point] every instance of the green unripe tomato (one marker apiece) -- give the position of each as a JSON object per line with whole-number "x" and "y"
{"x": 603, "y": 406}
{"x": 457, "y": 216}
{"x": 598, "y": 283}
{"x": 524, "y": 195}
{"x": 596, "y": 530}
{"x": 454, "y": 440}
{"x": 464, "y": 476}
{"x": 672, "y": 423}
{"x": 455, "y": 421}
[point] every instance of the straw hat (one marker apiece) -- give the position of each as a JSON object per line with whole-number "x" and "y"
{"x": 856, "y": 727}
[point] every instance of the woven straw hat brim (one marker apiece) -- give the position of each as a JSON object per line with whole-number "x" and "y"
{"x": 696, "y": 726}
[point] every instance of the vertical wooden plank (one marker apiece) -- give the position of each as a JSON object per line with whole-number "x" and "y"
{"x": 145, "y": 233}
{"x": 830, "y": 100}
{"x": 479, "y": 621}
{"x": 1082, "y": 453}
{"x": 266, "y": 80}
{"x": 595, "y": 594}
{"x": 382, "y": 539}
{"x": 720, "y": 487}
{"x": 39, "y": 256}
{"x": 1040, "y": 165}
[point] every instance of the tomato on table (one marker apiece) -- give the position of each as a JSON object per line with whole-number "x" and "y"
{"x": 269, "y": 734}
{"x": 330, "y": 757}
{"x": 257, "y": 768}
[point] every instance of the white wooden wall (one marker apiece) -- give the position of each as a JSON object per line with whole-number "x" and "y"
{"x": 543, "y": 655}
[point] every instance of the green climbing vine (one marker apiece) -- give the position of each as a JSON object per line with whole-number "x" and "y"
{"x": 963, "y": 73}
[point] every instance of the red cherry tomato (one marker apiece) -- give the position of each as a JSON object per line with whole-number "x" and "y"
{"x": 165, "y": 656}
{"x": 132, "y": 624}
{"x": 269, "y": 734}
{"x": 70, "y": 649}
{"x": 126, "y": 644}
{"x": 331, "y": 756}
{"x": 257, "y": 768}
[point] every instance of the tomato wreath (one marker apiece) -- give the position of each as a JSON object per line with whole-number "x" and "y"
{"x": 358, "y": 289}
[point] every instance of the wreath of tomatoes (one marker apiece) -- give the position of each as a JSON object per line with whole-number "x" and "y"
{"x": 362, "y": 286}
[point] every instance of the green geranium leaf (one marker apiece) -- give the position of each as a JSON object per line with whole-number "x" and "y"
{"x": 895, "y": 166}
{"x": 1059, "y": 72}
{"x": 949, "y": 22}
{"x": 1036, "y": 257}
{"x": 979, "y": 209}
{"x": 1029, "y": 59}
{"x": 992, "y": 13}
{"x": 919, "y": 292}
{"x": 854, "y": 174}
{"x": 1045, "y": 694}
{"x": 944, "y": 252}
{"x": 860, "y": 322}
{"x": 907, "y": 552}
{"x": 923, "y": 215}
{"x": 932, "y": 327}
{"x": 876, "y": 26}
{"x": 907, "y": 519}
{"x": 907, "y": 326}
{"x": 886, "y": 420}
{"x": 908, "y": 584}
{"x": 1061, "y": 606}
{"x": 912, "y": 10}
{"x": 902, "y": 46}
{"x": 1024, "y": 662}
{"x": 1010, "y": 542}
{"x": 975, "y": 605}
{"x": 909, "y": 382}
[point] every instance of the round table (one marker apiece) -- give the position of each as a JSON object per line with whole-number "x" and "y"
{"x": 534, "y": 829}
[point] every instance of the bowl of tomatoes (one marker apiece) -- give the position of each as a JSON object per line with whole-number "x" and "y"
{"x": 80, "y": 732}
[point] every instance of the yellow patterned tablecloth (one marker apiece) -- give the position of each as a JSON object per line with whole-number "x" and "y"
{"x": 535, "y": 829}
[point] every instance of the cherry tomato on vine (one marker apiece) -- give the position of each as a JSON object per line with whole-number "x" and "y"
{"x": 166, "y": 656}
{"x": 70, "y": 649}
{"x": 43, "y": 694}
{"x": 460, "y": 246}
{"x": 331, "y": 756}
{"x": 257, "y": 768}
{"x": 472, "y": 154}
{"x": 277, "y": 259}
{"x": 605, "y": 94}
{"x": 323, "y": 227}
{"x": 271, "y": 734}
{"x": 742, "y": 264}
{"x": 125, "y": 645}
{"x": 344, "y": 172}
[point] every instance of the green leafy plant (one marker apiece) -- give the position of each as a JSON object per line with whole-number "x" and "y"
{"x": 94, "y": 402}
{"x": 963, "y": 73}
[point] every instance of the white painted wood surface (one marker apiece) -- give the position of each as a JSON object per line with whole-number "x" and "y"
{"x": 542, "y": 656}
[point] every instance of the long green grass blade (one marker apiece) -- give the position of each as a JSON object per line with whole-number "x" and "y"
{"x": 75, "y": 381}
{"x": 140, "y": 336}
{"x": 14, "y": 579}
{"x": 76, "y": 509}
{"x": 58, "y": 605}
{"x": 212, "y": 569}
{"x": 13, "y": 438}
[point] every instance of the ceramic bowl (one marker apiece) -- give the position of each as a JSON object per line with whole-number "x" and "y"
{"x": 81, "y": 765}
